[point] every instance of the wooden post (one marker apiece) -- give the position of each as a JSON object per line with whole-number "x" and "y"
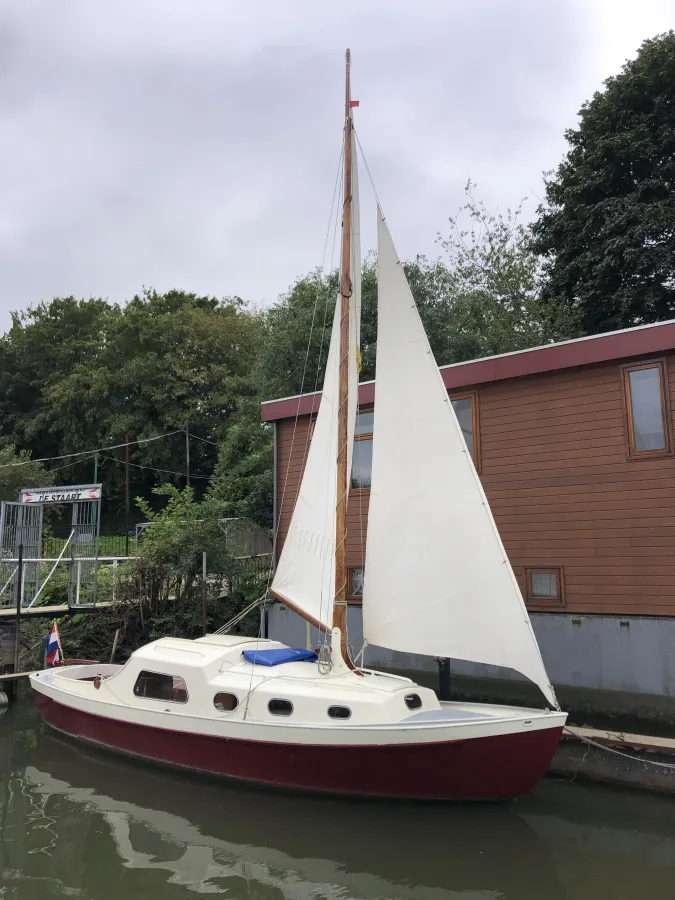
{"x": 340, "y": 607}
{"x": 126, "y": 492}
{"x": 204, "y": 593}
{"x": 114, "y": 646}
{"x": 187, "y": 453}
{"x": 19, "y": 598}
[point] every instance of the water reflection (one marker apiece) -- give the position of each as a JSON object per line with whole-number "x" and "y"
{"x": 78, "y": 823}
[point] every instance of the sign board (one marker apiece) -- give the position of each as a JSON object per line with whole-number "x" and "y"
{"x": 69, "y": 494}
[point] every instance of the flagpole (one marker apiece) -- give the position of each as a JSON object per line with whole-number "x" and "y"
{"x": 58, "y": 641}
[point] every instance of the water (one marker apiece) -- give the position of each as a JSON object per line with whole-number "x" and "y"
{"x": 77, "y": 823}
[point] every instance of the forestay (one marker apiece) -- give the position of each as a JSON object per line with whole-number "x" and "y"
{"x": 437, "y": 580}
{"x": 305, "y": 574}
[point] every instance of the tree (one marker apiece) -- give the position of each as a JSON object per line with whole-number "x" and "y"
{"x": 18, "y": 470}
{"x": 159, "y": 592}
{"x": 483, "y": 299}
{"x": 44, "y": 344}
{"x": 243, "y": 483}
{"x": 496, "y": 285}
{"x": 84, "y": 374}
{"x": 292, "y": 357}
{"x": 607, "y": 231}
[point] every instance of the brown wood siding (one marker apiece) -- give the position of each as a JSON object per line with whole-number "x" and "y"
{"x": 563, "y": 490}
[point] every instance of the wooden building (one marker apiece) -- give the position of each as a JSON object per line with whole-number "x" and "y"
{"x": 574, "y": 446}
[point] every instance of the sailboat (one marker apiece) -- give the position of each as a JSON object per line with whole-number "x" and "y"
{"x": 437, "y": 582}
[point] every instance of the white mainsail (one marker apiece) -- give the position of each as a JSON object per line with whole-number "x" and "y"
{"x": 305, "y": 574}
{"x": 437, "y": 580}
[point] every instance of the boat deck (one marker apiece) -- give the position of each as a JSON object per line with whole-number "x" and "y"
{"x": 469, "y": 712}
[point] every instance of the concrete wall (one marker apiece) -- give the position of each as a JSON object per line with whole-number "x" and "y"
{"x": 629, "y": 654}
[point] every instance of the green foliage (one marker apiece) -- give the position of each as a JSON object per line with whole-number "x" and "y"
{"x": 81, "y": 374}
{"x": 607, "y": 232}
{"x": 482, "y": 299}
{"x": 18, "y": 470}
{"x": 243, "y": 484}
{"x": 295, "y": 340}
{"x": 169, "y": 565}
{"x": 495, "y": 280}
{"x": 159, "y": 592}
{"x": 43, "y": 345}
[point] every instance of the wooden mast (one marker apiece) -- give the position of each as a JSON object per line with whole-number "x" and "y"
{"x": 340, "y": 606}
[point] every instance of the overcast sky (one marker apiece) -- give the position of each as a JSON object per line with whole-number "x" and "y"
{"x": 195, "y": 143}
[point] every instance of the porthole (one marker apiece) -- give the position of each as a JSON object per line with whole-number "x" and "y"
{"x": 226, "y": 702}
{"x": 413, "y": 701}
{"x": 339, "y": 712}
{"x": 280, "y": 707}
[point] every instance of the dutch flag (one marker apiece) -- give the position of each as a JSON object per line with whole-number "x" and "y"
{"x": 53, "y": 654}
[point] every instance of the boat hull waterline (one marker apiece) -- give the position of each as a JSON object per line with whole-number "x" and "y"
{"x": 493, "y": 767}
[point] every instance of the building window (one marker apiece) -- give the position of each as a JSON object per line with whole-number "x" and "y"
{"x": 644, "y": 388}
{"x": 466, "y": 410}
{"x": 155, "y": 686}
{"x": 545, "y": 587}
{"x": 362, "y": 452}
{"x": 356, "y": 584}
{"x": 280, "y": 707}
{"x": 226, "y": 702}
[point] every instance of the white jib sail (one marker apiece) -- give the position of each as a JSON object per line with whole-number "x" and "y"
{"x": 437, "y": 580}
{"x": 305, "y": 573}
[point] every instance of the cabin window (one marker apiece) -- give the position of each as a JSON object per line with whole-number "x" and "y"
{"x": 156, "y": 686}
{"x": 280, "y": 707}
{"x": 226, "y": 702}
{"x": 362, "y": 451}
{"x": 466, "y": 410}
{"x": 647, "y": 419}
{"x": 339, "y": 712}
{"x": 413, "y": 701}
{"x": 356, "y": 584}
{"x": 545, "y": 586}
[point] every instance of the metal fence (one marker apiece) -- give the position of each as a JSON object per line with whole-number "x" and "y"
{"x": 109, "y": 545}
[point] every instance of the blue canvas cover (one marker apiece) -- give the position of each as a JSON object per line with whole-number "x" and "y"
{"x": 278, "y": 656}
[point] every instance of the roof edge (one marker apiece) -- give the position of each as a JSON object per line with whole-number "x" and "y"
{"x": 596, "y": 348}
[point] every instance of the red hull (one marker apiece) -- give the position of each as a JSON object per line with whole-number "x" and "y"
{"x": 488, "y": 768}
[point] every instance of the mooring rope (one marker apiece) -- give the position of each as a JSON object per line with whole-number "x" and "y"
{"x": 587, "y": 740}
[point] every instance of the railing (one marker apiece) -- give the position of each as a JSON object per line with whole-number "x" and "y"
{"x": 109, "y": 545}
{"x": 7, "y": 599}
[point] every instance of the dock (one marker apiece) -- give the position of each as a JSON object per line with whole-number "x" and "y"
{"x": 53, "y": 610}
{"x": 614, "y": 757}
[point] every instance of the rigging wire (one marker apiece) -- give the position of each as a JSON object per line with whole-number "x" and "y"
{"x": 304, "y": 370}
{"x": 324, "y": 635}
{"x": 92, "y": 452}
{"x": 270, "y": 571}
{"x": 204, "y": 440}
{"x": 370, "y": 177}
{"x": 155, "y": 469}
{"x": 70, "y": 465}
